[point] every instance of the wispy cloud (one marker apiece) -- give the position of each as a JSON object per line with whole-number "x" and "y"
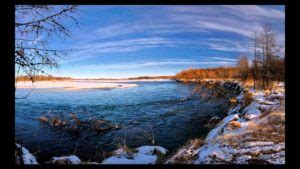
{"x": 254, "y": 11}
{"x": 213, "y": 61}
{"x": 224, "y": 59}
{"x": 239, "y": 19}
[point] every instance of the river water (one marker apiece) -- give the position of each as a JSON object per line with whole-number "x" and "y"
{"x": 165, "y": 113}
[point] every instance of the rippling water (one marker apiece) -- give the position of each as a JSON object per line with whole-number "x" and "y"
{"x": 160, "y": 108}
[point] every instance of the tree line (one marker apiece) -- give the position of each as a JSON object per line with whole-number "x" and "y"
{"x": 41, "y": 78}
{"x": 266, "y": 67}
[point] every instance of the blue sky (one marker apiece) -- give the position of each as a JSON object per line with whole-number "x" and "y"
{"x": 130, "y": 41}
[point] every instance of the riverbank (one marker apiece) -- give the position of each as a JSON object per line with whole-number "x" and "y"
{"x": 252, "y": 132}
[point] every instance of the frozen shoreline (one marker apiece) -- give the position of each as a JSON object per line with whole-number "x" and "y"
{"x": 72, "y": 84}
{"x": 250, "y": 135}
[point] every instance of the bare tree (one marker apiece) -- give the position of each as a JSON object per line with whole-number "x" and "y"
{"x": 255, "y": 62}
{"x": 35, "y": 25}
{"x": 243, "y": 66}
{"x": 266, "y": 57}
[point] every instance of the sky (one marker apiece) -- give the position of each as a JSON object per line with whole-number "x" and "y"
{"x": 131, "y": 41}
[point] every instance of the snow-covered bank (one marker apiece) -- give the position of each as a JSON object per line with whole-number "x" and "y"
{"x": 140, "y": 155}
{"x": 73, "y": 84}
{"x": 72, "y": 159}
{"x": 252, "y": 133}
{"x": 23, "y": 156}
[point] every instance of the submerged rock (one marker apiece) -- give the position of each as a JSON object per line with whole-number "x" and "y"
{"x": 212, "y": 122}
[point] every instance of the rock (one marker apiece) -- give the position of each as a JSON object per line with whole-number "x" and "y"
{"x": 212, "y": 122}
{"x": 215, "y": 119}
{"x": 102, "y": 122}
{"x": 72, "y": 159}
{"x": 100, "y": 129}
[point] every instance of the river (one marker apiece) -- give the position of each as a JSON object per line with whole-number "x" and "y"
{"x": 165, "y": 113}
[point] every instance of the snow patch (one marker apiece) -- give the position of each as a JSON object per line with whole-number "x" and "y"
{"x": 27, "y": 157}
{"x": 144, "y": 155}
{"x": 251, "y": 111}
{"x": 72, "y": 159}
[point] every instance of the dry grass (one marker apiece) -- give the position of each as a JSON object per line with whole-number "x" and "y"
{"x": 128, "y": 150}
{"x": 233, "y": 101}
{"x": 198, "y": 142}
{"x": 248, "y": 98}
{"x": 234, "y": 125}
{"x": 186, "y": 156}
{"x": 270, "y": 128}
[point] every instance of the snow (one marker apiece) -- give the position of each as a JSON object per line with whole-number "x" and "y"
{"x": 251, "y": 111}
{"x": 225, "y": 144}
{"x": 144, "y": 155}
{"x": 242, "y": 159}
{"x": 234, "y": 110}
{"x": 72, "y": 159}
{"x": 72, "y": 85}
{"x": 278, "y": 158}
{"x": 215, "y": 132}
{"x": 27, "y": 157}
{"x": 258, "y": 143}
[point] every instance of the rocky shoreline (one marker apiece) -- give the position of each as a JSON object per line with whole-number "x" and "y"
{"x": 251, "y": 133}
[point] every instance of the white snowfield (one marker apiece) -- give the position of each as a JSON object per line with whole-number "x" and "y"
{"x": 73, "y": 84}
{"x": 144, "y": 155}
{"x": 255, "y": 137}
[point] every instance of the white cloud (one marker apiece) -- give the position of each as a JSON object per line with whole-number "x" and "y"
{"x": 254, "y": 11}
{"x": 211, "y": 61}
{"x": 224, "y": 59}
{"x": 238, "y": 20}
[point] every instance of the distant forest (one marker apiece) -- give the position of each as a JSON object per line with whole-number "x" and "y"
{"x": 260, "y": 73}
{"x": 49, "y": 77}
{"x": 40, "y": 78}
{"x": 267, "y": 65}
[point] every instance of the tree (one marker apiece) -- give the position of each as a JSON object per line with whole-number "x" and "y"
{"x": 34, "y": 26}
{"x": 266, "y": 57}
{"x": 243, "y": 66}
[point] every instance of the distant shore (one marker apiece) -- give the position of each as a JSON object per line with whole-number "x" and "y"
{"x": 72, "y": 84}
{"x": 77, "y": 84}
